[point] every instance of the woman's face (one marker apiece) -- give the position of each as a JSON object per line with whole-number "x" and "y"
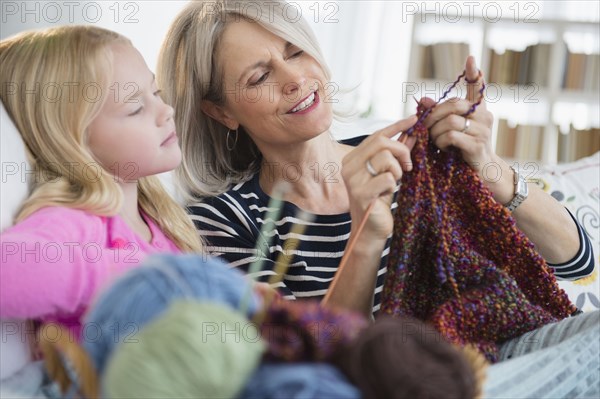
{"x": 272, "y": 88}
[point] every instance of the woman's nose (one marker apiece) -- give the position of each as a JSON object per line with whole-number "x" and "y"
{"x": 294, "y": 80}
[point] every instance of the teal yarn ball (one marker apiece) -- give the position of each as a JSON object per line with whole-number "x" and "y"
{"x": 193, "y": 350}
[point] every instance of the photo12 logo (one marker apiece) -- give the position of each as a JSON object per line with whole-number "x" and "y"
{"x": 455, "y": 11}
{"x": 291, "y": 11}
{"x": 63, "y": 12}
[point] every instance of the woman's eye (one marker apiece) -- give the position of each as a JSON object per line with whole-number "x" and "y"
{"x": 298, "y": 54}
{"x": 137, "y": 111}
{"x": 260, "y": 80}
{"x": 157, "y": 92}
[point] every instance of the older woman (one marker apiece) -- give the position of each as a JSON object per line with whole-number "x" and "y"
{"x": 253, "y": 109}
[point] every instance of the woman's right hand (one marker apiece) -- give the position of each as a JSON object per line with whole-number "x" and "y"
{"x": 388, "y": 159}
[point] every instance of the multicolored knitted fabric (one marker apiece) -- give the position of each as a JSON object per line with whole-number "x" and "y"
{"x": 457, "y": 259}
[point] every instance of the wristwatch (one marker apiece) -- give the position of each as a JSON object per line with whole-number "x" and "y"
{"x": 521, "y": 191}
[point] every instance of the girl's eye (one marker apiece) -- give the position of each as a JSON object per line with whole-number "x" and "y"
{"x": 260, "y": 80}
{"x": 137, "y": 111}
{"x": 298, "y": 54}
{"x": 157, "y": 92}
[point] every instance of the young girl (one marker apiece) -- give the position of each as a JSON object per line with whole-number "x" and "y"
{"x": 96, "y": 131}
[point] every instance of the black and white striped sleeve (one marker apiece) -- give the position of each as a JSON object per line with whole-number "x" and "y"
{"x": 582, "y": 264}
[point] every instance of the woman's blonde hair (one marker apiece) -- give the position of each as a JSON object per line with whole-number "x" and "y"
{"x": 188, "y": 73}
{"x": 52, "y": 84}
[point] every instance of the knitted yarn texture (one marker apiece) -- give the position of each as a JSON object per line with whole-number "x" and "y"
{"x": 394, "y": 357}
{"x": 457, "y": 259}
{"x": 305, "y": 331}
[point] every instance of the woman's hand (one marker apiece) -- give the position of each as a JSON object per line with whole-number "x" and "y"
{"x": 371, "y": 173}
{"x": 471, "y": 135}
{"x": 555, "y": 237}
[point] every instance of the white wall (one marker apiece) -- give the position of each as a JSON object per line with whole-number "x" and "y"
{"x": 144, "y": 22}
{"x": 347, "y": 31}
{"x": 366, "y": 43}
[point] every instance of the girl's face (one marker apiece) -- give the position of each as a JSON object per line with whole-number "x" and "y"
{"x": 272, "y": 88}
{"x": 134, "y": 134}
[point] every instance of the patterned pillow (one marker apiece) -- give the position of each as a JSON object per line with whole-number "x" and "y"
{"x": 576, "y": 186}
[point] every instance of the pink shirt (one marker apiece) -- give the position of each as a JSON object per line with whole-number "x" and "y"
{"x": 55, "y": 261}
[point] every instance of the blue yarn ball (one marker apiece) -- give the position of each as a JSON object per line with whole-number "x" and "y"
{"x": 298, "y": 381}
{"x": 144, "y": 293}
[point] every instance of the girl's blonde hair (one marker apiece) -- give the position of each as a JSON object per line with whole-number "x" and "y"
{"x": 53, "y": 83}
{"x": 188, "y": 73}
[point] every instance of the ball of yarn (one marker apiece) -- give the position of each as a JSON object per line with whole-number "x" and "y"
{"x": 406, "y": 358}
{"x": 194, "y": 350}
{"x": 145, "y": 292}
{"x": 305, "y": 331}
{"x": 298, "y": 381}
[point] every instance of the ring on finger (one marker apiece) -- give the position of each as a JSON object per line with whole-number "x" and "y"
{"x": 476, "y": 80}
{"x": 370, "y": 168}
{"x": 467, "y": 125}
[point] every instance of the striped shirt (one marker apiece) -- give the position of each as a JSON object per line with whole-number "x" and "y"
{"x": 582, "y": 264}
{"x": 231, "y": 223}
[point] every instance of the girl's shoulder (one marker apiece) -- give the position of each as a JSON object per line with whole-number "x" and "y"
{"x": 60, "y": 220}
{"x": 66, "y": 214}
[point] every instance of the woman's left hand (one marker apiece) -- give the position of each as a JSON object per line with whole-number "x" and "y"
{"x": 472, "y": 135}
{"x": 556, "y": 237}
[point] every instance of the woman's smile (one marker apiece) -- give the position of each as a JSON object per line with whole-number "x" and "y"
{"x": 308, "y": 104}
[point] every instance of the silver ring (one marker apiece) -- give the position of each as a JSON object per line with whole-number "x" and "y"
{"x": 467, "y": 125}
{"x": 371, "y": 169}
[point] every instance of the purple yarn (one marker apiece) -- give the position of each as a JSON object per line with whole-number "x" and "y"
{"x": 141, "y": 295}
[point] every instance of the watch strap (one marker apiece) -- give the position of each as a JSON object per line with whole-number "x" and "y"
{"x": 521, "y": 190}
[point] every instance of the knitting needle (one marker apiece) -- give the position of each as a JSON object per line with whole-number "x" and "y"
{"x": 354, "y": 238}
{"x": 273, "y": 212}
{"x": 283, "y": 260}
{"x": 274, "y": 209}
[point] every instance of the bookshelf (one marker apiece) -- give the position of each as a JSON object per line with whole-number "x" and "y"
{"x": 543, "y": 79}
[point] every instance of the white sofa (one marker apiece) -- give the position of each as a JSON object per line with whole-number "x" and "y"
{"x": 14, "y": 350}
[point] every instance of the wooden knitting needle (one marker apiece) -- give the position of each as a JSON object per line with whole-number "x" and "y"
{"x": 81, "y": 377}
{"x": 354, "y": 238}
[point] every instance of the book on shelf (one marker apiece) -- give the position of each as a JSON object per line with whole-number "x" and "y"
{"x": 581, "y": 72}
{"x": 522, "y": 142}
{"x": 528, "y": 143}
{"x": 440, "y": 61}
{"x": 506, "y": 140}
{"x": 578, "y": 144}
{"x": 521, "y": 67}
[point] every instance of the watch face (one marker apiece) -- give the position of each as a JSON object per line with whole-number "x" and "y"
{"x": 521, "y": 189}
